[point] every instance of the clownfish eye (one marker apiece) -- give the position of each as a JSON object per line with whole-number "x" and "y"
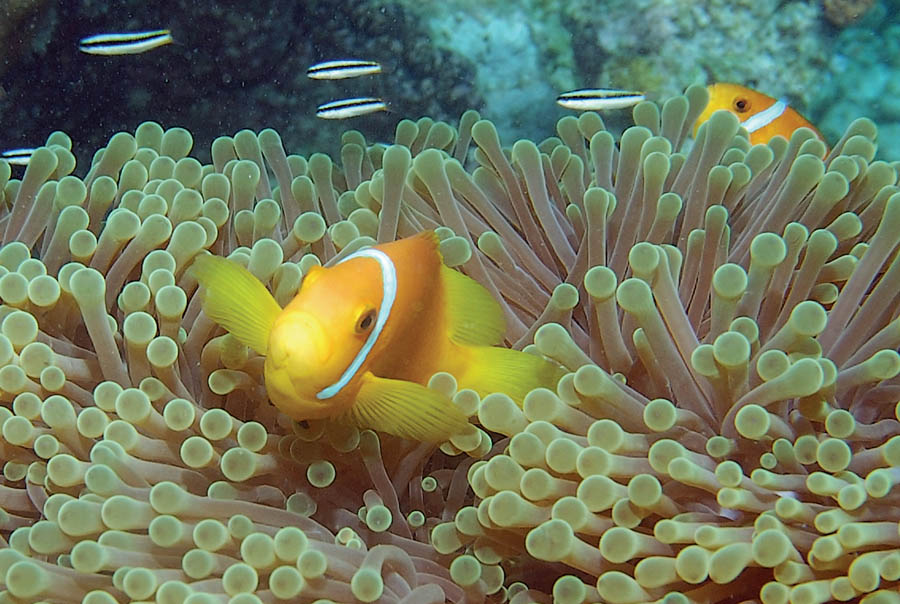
{"x": 366, "y": 321}
{"x": 741, "y": 104}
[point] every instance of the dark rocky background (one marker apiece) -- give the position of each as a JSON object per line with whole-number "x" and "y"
{"x": 234, "y": 65}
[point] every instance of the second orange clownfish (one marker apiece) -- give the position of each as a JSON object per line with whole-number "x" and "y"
{"x": 361, "y": 338}
{"x": 763, "y": 116}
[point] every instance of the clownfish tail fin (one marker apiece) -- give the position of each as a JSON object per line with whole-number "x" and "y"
{"x": 236, "y": 300}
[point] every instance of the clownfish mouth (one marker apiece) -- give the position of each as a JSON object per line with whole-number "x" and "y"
{"x": 300, "y": 345}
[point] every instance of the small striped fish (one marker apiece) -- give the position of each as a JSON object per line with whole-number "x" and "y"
{"x": 129, "y": 43}
{"x": 344, "y": 108}
{"x": 593, "y": 99}
{"x": 18, "y": 157}
{"x": 343, "y": 68}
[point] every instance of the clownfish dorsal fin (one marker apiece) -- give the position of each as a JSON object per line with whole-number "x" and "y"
{"x": 236, "y": 300}
{"x": 473, "y": 314}
{"x": 405, "y": 409}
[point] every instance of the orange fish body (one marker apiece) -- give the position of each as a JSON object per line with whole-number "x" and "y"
{"x": 361, "y": 338}
{"x": 404, "y": 350}
{"x": 763, "y": 116}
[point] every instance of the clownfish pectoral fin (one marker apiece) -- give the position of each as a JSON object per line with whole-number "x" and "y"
{"x": 236, "y": 300}
{"x": 405, "y": 409}
{"x": 474, "y": 316}
{"x": 513, "y": 372}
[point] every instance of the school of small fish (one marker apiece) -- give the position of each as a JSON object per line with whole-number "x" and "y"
{"x": 342, "y": 69}
{"x": 361, "y": 339}
{"x": 762, "y": 115}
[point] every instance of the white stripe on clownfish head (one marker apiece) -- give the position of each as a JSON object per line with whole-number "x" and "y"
{"x": 765, "y": 117}
{"x": 388, "y": 294}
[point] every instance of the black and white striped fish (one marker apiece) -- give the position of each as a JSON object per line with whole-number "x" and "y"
{"x": 345, "y": 108}
{"x": 18, "y": 157}
{"x": 127, "y": 43}
{"x": 342, "y": 68}
{"x": 594, "y": 99}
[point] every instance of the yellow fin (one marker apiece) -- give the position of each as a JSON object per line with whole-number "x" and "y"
{"x": 475, "y": 317}
{"x": 405, "y": 409}
{"x": 513, "y": 372}
{"x": 236, "y": 300}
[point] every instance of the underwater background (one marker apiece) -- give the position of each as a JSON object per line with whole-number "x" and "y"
{"x": 237, "y": 66}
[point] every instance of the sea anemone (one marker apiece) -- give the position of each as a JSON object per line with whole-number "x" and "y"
{"x": 727, "y": 431}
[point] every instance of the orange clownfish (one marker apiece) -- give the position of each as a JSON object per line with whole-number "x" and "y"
{"x": 762, "y": 115}
{"x": 361, "y": 338}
